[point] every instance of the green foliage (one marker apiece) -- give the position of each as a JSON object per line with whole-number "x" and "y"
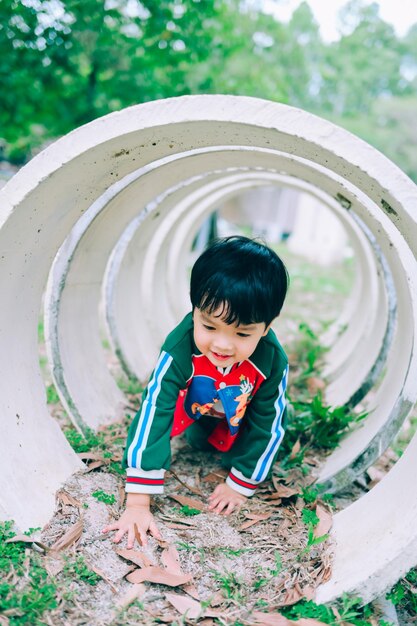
{"x": 403, "y": 594}
{"x": 349, "y": 610}
{"x": 62, "y": 68}
{"x": 309, "y": 517}
{"x": 309, "y": 352}
{"x": 79, "y": 570}
{"x": 316, "y": 424}
{"x": 34, "y": 594}
{"x": 230, "y": 552}
{"x": 189, "y": 511}
{"x": 102, "y": 496}
{"x": 231, "y": 586}
{"x": 52, "y": 396}
{"x": 130, "y": 386}
{"x": 86, "y": 442}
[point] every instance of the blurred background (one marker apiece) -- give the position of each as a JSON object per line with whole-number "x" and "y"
{"x": 66, "y": 62}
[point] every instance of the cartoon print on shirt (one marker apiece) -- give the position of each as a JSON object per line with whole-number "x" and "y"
{"x": 243, "y": 399}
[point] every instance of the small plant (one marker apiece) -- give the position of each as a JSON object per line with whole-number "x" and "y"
{"x": 269, "y": 574}
{"x": 102, "y": 496}
{"x": 315, "y": 424}
{"x": 189, "y": 511}
{"x": 309, "y": 517}
{"x": 230, "y": 585}
{"x": 229, "y": 552}
{"x": 130, "y": 386}
{"x": 52, "y": 396}
{"x": 309, "y": 352}
{"x": 79, "y": 569}
{"x": 84, "y": 442}
{"x": 403, "y": 594}
{"x": 190, "y": 548}
{"x": 311, "y": 520}
{"x": 27, "y": 602}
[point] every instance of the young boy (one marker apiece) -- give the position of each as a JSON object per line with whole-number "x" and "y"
{"x": 221, "y": 376}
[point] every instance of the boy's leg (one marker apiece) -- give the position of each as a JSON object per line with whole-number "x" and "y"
{"x": 198, "y": 433}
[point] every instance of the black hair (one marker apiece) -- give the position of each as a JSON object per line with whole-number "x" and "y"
{"x": 243, "y": 277}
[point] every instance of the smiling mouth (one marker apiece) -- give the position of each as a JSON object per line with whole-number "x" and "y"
{"x": 221, "y": 357}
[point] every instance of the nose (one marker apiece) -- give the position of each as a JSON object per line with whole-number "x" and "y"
{"x": 222, "y": 343}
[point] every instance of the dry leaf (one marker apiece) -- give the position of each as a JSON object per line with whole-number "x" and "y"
{"x": 215, "y": 477}
{"x": 185, "y": 501}
{"x": 94, "y": 465}
{"x": 4, "y": 621}
{"x": 122, "y": 495}
{"x": 295, "y": 449}
{"x": 247, "y": 524}
{"x": 91, "y": 456}
{"x": 292, "y": 596}
{"x": 135, "y": 557}
{"x": 254, "y": 518}
{"x": 192, "y": 591}
{"x": 217, "y": 599}
{"x": 177, "y": 526}
{"x": 308, "y": 592}
{"x": 325, "y": 521}
{"x": 270, "y": 619}
{"x": 29, "y": 540}
{"x": 102, "y": 575}
{"x": 72, "y": 535}
{"x": 54, "y": 565}
{"x": 158, "y": 575}
{"x": 314, "y": 385}
{"x": 133, "y": 593}
{"x": 309, "y": 621}
{"x": 258, "y": 516}
{"x": 165, "y": 619}
{"x": 186, "y": 485}
{"x": 171, "y": 560}
{"x": 274, "y": 500}
{"x": 185, "y": 605}
{"x": 283, "y": 491}
{"x": 66, "y": 498}
{"x": 181, "y": 521}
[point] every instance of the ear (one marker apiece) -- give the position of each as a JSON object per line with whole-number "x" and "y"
{"x": 266, "y": 330}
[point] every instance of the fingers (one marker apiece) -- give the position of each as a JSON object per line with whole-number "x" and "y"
{"x": 130, "y": 537}
{"x": 153, "y": 529}
{"x": 110, "y": 527}
{"x": 141, "y": 537}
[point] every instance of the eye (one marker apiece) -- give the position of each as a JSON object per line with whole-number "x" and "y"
{"x": 207, "y": 327}
{"x": 243, "y": 335}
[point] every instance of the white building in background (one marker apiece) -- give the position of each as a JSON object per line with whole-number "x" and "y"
{"x": 279, "y": 214}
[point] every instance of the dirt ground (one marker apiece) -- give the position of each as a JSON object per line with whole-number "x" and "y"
{"x": 235, "y": 568}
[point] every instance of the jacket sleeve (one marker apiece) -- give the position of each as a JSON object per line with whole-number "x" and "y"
{"x": 148, "y": 451}
{"x": 252, "y": 456}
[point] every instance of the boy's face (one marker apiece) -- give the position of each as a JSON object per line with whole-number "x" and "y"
{"x": 225, "y": 344}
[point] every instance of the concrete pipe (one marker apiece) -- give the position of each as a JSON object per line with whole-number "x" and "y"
{"x": 43, "y": 202}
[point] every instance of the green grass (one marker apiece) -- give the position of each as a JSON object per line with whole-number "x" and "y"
{"x": 24, "y": 601}
{"x": 102, "y": 496}
{"x": 79, "y": 570}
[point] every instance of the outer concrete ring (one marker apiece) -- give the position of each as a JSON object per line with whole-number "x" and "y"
{"x": 197, "y": 118}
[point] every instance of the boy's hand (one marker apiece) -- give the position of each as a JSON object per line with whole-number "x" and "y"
{"x": 135, "y": 521}
{"x": 225, "y": 499}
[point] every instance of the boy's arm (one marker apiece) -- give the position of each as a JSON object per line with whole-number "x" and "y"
{"x": 148, "y": 452}
{"x": 252, "y": 456}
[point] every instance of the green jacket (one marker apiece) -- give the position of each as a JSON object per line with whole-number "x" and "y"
{"x": 252, "y": 397}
